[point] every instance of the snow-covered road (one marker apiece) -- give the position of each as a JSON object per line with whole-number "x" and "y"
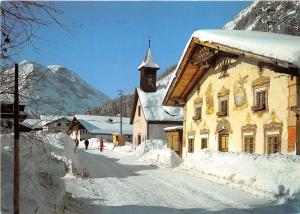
{"x": 122, "y": 184}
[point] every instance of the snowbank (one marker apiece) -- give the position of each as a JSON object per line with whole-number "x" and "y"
{"x": 148, "y": 145}
{"x": 155, "y": 152}
{"x": 272, "y": 175}
{"x": 44, "y": 159}
{"x": 163, "y": 157}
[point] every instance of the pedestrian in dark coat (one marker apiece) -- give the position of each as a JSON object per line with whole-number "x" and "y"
{"x": 101, "y": 144}
{"x": 86, "y": 143}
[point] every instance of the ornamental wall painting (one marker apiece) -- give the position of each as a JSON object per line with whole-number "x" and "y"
{"x": 239, "y": 92}
{"x": 209, "y": 100}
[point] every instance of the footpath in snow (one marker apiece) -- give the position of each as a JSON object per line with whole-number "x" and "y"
{"x": 121, "y": 181}
{"x": 275, "y": 176}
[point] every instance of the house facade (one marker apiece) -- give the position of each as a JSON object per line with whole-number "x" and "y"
{"x": 238, "y": 95}
{"x": 149, "y": 117}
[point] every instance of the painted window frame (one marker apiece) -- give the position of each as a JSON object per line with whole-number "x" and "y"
{"x": 249, "y": 135}
{"x": 278, "y": 136}
{"x": 220, "y": 112}
{"x": 256, "y": 91}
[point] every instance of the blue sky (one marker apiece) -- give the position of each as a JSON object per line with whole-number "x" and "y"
{"x": 108, "y": 40}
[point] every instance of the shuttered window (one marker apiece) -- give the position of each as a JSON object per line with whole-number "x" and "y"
{"x": 203, "y": 143}
{"x": 249, "y": 144}
{"x": 191, "y": 145}
{"x": 261, "y": 98}
{"x": 273, "y": 144}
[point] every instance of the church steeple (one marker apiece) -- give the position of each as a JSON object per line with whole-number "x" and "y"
{"x": 148, "y": 70}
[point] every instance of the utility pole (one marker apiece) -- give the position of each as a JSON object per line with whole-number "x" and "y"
{"x": 120, "y": 93}
{"x": 16, "y": 144}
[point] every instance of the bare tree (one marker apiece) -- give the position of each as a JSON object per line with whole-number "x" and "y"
{"x": 20, "y": 21}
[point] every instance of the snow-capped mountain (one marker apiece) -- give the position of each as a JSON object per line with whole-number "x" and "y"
{"x": 272, "y": 16}
{"x": 56, "y": 90}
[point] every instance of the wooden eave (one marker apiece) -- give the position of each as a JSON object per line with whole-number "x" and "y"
{"x": 164, "y": 122}
{"x": 188, "y": 75}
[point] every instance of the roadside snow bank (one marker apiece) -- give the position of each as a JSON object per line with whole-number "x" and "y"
{"x": 155, "y": 152}
{"x": 274, "y": 175}
{"x": 44, "y": 159}
{"x": 149, "y": 145}
{"x": 163, "y": 157}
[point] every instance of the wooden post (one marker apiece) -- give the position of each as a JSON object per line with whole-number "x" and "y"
{"x": 297, "y": 135}
{"x": 16, "y": 144}
{"x": 121, "y": 110}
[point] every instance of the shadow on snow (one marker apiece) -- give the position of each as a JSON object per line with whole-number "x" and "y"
{"x": 101, "y": 166}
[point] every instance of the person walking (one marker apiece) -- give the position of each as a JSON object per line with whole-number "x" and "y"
{"x": 101, "y": 144}
{"x": 86, "y": 143}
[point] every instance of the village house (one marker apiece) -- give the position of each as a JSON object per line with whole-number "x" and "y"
{"x": 55, "y": 124}
{"x": 149, "y": 117}
{"x": 91, "y": 126}
{"x": 240, "y": 92}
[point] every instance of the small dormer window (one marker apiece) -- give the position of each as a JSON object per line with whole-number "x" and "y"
{"x": 58, "y": 124}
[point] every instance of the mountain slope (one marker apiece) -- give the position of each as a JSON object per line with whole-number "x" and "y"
{"x": 272, "y": 16}
{"x": 56, "y": 90}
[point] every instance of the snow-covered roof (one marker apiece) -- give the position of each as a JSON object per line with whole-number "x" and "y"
{"x": 277, "y": 46}
{"x": 149, "y": 61}
{"x": 172, "y": 128}
{"x": 151, "y": 103}
{"x": 51, "y": 118}
{"x": 33, "y": 123}
{"x": 104, "y": 124}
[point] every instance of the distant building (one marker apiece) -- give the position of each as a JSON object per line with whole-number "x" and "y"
{"x": 55, "y": 124}
{"x": 149, "y": 117}
{"x": 92, "y": 126}
{"x": 238, "y": 90}
{"x": 32, "y": 124}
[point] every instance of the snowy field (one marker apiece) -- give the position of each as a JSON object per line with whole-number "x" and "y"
{"x": 125, "y": 182}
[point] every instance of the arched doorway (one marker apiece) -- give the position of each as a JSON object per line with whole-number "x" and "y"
{"x": 223, "y": 129}
{"x": 223, "y": 140}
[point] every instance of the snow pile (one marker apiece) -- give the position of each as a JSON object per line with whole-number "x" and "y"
{"x": 44, "y": 159}
{"x": 155, "y": 152}
{"x": 126, "y": 149}
{"x": 271, "y": 175}
{"x": 163, "y": 157}
{"x": 149, "y": 145}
